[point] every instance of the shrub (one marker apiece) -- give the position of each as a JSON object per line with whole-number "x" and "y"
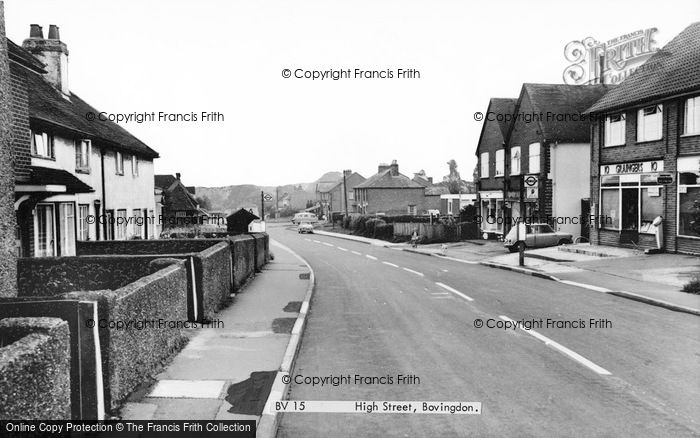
{"x": 384, "y": 231}
{"x": 371, "y": 225}
{"x": 693, "y": 287}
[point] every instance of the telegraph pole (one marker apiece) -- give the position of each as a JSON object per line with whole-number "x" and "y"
{"x": 345, "y": 191}
{"x": 262, "y": 205}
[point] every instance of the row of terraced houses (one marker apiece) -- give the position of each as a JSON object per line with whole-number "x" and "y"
{"x": 606, "y": 177}
{"x": 76, "y": 178}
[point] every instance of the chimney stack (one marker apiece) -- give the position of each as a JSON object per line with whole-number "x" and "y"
{"x": 347, "y": 173}
{"x": 394, "y": 168}
{"x": 53, "y": 53}
{"x": 177, "y": 175}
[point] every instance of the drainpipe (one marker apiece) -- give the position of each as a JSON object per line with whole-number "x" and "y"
{"x": 104, "y": 202}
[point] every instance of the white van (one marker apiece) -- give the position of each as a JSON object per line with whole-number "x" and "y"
{"x": 304, "y": 217}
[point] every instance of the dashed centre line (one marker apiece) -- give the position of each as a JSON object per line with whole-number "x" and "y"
{"x": 342, "y": 249}
{"x": 328, "y": 244}
{"x": 414, "y": 272}
{"x": 391, "y": 264}
{"x": 371, "y": 257}
{"x": 356, "y": 253}
{"x": 454, "y": 291}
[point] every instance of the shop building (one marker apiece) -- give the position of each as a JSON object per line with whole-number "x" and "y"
{"x": 645, "y": 153}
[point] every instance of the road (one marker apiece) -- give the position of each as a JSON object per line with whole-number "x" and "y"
{"x": 378, "y": 311}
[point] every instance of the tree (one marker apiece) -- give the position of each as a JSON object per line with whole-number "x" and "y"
{"x": 453, "y": 180}
{"x": 203, "y": 202}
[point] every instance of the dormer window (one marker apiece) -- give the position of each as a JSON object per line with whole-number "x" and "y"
{"x": 42, "y": 145}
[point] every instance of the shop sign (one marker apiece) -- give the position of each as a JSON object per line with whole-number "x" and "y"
{"x": 664, "y": 178}
{"x": 632, "y": 168}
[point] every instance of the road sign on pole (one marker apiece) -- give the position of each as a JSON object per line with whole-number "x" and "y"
{"x": 267, "y": 197}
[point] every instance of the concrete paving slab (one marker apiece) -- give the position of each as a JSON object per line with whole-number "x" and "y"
{"x": 139, "y": 411}
{"x": 185, "y": 408}
{"x": 188, "y": 389}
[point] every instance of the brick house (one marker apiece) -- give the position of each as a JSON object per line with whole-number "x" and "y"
{"x": 70, "y": 178}
{"x": 646, "y": 127}
{"x": 545, "y": 162}
{"x": 490, "y": 153}
{"x": 389, "y": 192}
{"x": 180, "y": 208}
{"x": 332, "y": 196}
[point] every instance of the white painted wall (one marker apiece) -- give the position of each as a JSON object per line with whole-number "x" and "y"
{"x": 571, "y": 172}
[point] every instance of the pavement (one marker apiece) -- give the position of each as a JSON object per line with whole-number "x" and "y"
{"x": 654, "y": 279}
{"x": 232, "y": 372}
{"x": 614, "y": 367}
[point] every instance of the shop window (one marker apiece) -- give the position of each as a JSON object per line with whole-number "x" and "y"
{"x": 609, "y": 208}
{"x": 691, "y": 124}
{"x": 534, "y": 158}
{"x": 649, "y": 123}
{"x": 652, "y": 206}
{"x": 615, "y": 130}
{"x": 689, "y": 199}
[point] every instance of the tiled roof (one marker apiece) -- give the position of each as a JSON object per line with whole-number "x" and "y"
{"x": 47, "y": 176}
{"x": 385, "y": 180}
{"x": 48, "y": 105}
{"x": 500, "y": 105}
{"x": 164, "y": 181}
{"x": 21, "y": 56}
{"x": 180, "y": 199}
{"x": 562, "y": 101}
{"x": 673, "y": 70}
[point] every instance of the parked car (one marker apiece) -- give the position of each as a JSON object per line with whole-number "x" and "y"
{"x": 305, "y": 227}
{"x": 536, "y": 236}
{"x": 304, "y": 217}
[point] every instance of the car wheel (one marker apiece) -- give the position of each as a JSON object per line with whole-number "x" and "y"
{"x": 513, "y": 248}
{"x": 563, "y": 242}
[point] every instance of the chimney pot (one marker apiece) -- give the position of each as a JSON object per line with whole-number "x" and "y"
{"x": 53, "y": 32}
{"x": 394, "y": 168}
{"x": 177, "y": 175}
{"x": 35, "y": 31}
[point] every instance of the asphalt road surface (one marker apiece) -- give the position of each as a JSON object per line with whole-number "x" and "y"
{"x": 383, "y": 312}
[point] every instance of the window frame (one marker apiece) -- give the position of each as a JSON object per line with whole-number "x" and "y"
{"x": 134, "y": 165}
{"x": 83, "y": 232}
{"x": 119, "y": 163}
{"x": 484, "y": 159}
{"x": 627, "y": 184}
{"x": 120, "y": 229}
{"x": 643, "y": 120}
{"x": 608, "y": 141}
{"x": 47, "y": 145}
{"x": 82, "y": 158}
{"x": 696, "y": 116}
{"x": 500, "y": 163}
{"x": 530, "y": 156}
{"x": 515, "y": 156}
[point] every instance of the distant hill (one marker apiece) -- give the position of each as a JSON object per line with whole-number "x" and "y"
{"x": 231, "y": 198}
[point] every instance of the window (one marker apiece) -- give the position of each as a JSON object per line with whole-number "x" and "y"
{"x": 109, "y": 229}
{"x": 45, "y": 245}
{"x": 351, "y": 196}
{"x": 500, "y": 162}
{"x": 134, "y": 165}
{"x": 652, "y": 206}
{"x": 83, "y": 229}
{"x": 485, "y": 165}
{"x": 412, "y": 210}
{"x": 609, "y": 208}
{"x": 692, "y": 116}
{"x": 119, "y": 162}
{"x": 515, "y": 161}
{"x": 67, "y": 228}
{"x": 121, "y": 225}
{"x": 534, "y": 158}
{"x": 138, "y": 224}
{"x": 615, "y": 130}
{"x": 649, "y": 123}
{"x": 449, "y": 206}
{"x": 151, "y": 228}
{"x": 42, "y": 145}
{"x": 82, "y": 155}
{"x": 689, "y": 197}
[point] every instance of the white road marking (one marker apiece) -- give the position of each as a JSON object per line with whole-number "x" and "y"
{"x": 469, "y": 262}
{"x": 413, "y": 272}
{"x": 328, "y": 244}
{"x": 371, "y": 257}
{"x": 308, "y": 240}
{"x": 342, "y": 249}
{"x": 439, "y": 293}
{"x": 391, "y": 264}
{"x": 445, "y": 270}
{"x": 454, "y": 291}
{"x": 557, "y": 346}
{"x": 356, "y": 253}
{"x": 317, "y": 241}
{"x": 586, "y": 286}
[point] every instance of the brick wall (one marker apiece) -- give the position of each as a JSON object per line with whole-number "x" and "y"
{"x": 667, "y": 149}
{"x": 8, "y": 252}
{"x": 20, "y": 123}
{"x": 395, "y": 201}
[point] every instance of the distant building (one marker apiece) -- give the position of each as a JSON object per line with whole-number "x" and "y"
{"x": 390, "y": 192}
{"x": 180, "y": 207}
{"x": 645, "y": 160}
{"x": 75, "y": 178}
{"x": 332, "y": 195}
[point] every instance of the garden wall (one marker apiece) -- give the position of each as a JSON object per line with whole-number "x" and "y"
{"x": 156, "y": 308}
{"x": 243, "y": 258}
{"x": 34, "y": 369}
{"x": 156, "y": 246}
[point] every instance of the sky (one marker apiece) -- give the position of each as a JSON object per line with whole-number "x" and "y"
{"x": 228, "y": 57}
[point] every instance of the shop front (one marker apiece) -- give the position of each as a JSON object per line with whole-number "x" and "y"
{"x": 688, "y": 230}
{"x": 491, "y": 204}
{"x": 632, "y": 198}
